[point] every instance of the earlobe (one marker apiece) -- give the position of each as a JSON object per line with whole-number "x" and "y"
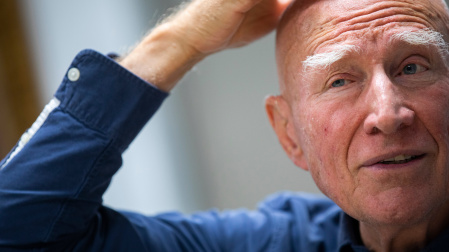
{"x": 280, "y": 117}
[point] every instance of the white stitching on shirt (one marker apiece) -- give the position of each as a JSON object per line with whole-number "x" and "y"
{"x": 54, "y": 103}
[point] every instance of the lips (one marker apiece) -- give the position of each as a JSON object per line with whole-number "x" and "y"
{"x": 400, "y": 159}
{"x": 392, "y": 159}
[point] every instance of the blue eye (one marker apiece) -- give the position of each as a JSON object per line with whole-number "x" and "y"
{"x": 413, "y": 69}
{"x": 338, "y": 83}
{"x": 410, "y": 69}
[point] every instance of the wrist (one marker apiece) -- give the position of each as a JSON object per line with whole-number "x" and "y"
{"x": 162, "y": 58}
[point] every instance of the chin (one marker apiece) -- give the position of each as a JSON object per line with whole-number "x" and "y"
{"x": 398, "y": 207}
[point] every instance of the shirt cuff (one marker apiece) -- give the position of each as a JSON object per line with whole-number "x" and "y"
{"x": 107, "y": 97}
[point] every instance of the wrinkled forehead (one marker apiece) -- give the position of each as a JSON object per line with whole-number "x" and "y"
{"x": 310, "y": 25}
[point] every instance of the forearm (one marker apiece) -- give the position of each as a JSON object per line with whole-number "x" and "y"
{"x": 162, "y": 58}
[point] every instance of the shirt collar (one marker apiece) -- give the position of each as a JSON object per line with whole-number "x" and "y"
{"x": 440, "y": 243}
{"x": 349, "y": 238}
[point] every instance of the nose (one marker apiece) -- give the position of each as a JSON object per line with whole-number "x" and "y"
{"x": 388, "y": 113}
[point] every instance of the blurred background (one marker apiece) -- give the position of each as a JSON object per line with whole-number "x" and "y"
{"x": 210, "y": 146}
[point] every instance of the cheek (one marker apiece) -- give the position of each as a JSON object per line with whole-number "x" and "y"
{"x": 327, "y": 131}
{"x": 316, "y": 137}
{"x": 432, "y": 108}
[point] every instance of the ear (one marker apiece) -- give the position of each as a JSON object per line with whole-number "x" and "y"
{"x": 280, "y": 117}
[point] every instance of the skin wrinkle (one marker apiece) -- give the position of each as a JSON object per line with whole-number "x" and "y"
{"x": 383, "y": 10}
{"x": 339, "y": 33}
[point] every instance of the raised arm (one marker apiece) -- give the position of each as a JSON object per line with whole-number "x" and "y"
{"x": 52, "y": 182}
{"x": 200, "y": 29}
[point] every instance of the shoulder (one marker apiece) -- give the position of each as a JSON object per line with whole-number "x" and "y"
{"x": 314, "y": 221}
{"x": 303, "y": 207}
{"x": 287, "y": 200}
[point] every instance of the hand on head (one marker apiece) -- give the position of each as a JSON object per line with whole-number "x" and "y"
{"x": 199, "y": 29}
{"x": 213, "y": 25}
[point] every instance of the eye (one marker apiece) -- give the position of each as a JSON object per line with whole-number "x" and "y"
{"x": 339, "y": 83}
{"x": 413, "y": 69}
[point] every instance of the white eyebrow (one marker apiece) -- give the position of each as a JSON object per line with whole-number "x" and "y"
{"x": 425, "y": 37}
{"x": 323, "y": 60}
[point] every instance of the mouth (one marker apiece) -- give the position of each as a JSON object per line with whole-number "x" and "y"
{"x": 400, "y": 159}
{"x": 395, "y": 159}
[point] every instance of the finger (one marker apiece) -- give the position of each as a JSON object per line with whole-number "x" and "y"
{"x": 212, "y": 23}
{"x": 259, "y": 21}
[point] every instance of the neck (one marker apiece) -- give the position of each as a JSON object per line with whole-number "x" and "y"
{"x": 382, "y": 239}
{"x": 410, "y": 237}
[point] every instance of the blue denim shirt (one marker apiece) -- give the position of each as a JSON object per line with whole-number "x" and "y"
{"x": 52, "y": 182}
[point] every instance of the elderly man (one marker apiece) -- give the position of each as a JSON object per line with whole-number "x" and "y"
{"x": 364, "y": 107}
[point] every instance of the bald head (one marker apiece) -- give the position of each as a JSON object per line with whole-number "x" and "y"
{"x": 309, "y": 24}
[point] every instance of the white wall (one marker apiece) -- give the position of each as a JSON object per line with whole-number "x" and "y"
{"x": 210, "y": 145}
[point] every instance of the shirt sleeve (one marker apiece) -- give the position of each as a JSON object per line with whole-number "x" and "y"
{"x": 52, "y": 182}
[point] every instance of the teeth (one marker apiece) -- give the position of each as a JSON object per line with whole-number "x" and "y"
{"x": 400, "y": 158}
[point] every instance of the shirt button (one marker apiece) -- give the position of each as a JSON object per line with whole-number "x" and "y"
{"x": 25, "y": 138}
{"x": 73, "y": 74}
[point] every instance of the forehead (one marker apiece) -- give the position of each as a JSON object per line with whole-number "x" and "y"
{"x": 336, "y": 21}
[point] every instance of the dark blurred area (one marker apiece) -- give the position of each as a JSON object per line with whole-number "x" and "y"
{"x": 18, "y": 99}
